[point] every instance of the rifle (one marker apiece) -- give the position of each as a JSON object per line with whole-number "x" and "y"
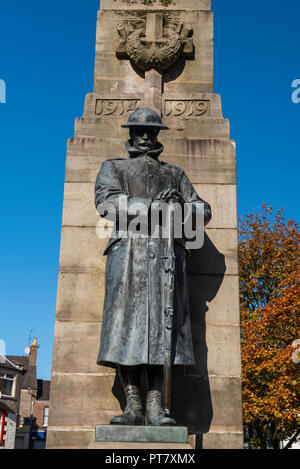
{"x": 168, "y": 306}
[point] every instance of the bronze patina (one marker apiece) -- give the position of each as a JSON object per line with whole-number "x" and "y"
{"x": 146, "y": 320}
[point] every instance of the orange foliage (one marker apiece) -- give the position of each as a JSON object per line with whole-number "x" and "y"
{"x": 270, "y": 311}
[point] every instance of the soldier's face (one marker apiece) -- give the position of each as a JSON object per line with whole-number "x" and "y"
{"x": 144, "y": 138}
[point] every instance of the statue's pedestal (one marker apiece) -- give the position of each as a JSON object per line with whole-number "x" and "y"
{"x": 139, "y": 437}
{"x": 119, "y": 445}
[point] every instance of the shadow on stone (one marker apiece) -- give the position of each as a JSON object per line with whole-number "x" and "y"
{"x": 191, "y": 389}
{"x": 118, "y": 392}
{"x": 174, "y": 72}
{"x": 191, "y": 396}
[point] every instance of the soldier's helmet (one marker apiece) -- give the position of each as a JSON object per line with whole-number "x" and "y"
{"x": 144, "y": 117}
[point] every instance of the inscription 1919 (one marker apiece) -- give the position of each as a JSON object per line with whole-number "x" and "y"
{"x": 186, "y": 108}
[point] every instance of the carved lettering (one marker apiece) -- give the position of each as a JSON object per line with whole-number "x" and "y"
{"x": 115, "y": 107}
{"x": 186, "y": 107}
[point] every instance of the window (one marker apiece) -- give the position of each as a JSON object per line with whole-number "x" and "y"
{"x": 7, "y": 384}
{"x": 46, "y": 415}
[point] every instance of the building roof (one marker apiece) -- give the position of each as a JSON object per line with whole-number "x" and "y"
{"x": 29, "y": 379}
{"x": 43, "y": 390}
{"x": 9, "y": 365}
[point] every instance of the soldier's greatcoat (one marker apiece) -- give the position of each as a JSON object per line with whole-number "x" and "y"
{"x": 133, "y": 317}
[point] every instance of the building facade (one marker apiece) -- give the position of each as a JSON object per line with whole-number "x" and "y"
{"x": 11, "y": 376}
{"x": 24, "y": 402}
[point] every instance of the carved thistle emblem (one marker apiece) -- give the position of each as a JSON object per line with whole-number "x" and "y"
{"x": 155, "y": 42}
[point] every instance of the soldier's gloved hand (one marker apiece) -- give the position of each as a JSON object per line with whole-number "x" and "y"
{"x": 170, "y": 195}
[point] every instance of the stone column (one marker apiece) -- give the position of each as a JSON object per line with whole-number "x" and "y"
{"x": 206, "y": 398}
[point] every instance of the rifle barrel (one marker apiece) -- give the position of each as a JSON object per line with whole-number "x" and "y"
{"x": 169, "y": 275}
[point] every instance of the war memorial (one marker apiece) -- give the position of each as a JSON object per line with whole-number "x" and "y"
{"x": 166, "y": 372}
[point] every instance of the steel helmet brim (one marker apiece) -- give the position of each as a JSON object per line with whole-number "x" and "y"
{"x": 144, "y": 117}
{"x": 135, "y": 124}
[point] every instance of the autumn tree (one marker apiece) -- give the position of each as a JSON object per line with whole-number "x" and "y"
{"x": 269, "y": 264}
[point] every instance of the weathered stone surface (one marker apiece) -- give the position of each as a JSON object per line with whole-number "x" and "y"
{"x": 222, "y": 199}
{"x": 79, "y": 206}
{"x": 200, "y": 170}
{"x": 104, "y": 148}
{"x": 223, "y": 349}
{"x": 178, "y": 128}
{"x": 80, "y": 297}
{"x": 190, "y": 87}
{"x": 214, "y": 299}
{"x": 209, "y": 128}
{"x": 81, "y": 250}
{"x": 157, "y": 5}
{"x": 223, "y": 440}
{"x": 226, "y": 400}
{"x": 97, "y": 126}
{"x": 77, "y": 345}
{"x": 82, "y": 399}
{"x": 207, "y": 148}
{"x": 60, "y": 438}
{"x": 108, "y": 85}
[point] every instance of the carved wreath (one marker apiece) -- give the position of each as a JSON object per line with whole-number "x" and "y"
{"x": 161, "y": 56}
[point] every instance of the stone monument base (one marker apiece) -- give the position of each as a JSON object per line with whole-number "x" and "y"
{"x": 137, "y": 446}
{"x": 140, "y": 434}
{"x": 140, "y": 437}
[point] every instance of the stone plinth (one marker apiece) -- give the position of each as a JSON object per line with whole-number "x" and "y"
{"x": 207, "y": 397}
{"x": 137, "y": 446}
{"x": 140, "y": 434}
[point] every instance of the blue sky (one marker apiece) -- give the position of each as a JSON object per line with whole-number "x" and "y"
{"x": 47, "y": 59}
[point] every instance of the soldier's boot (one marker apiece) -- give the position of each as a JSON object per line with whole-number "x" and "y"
{"x": 155, "y": 414}
{"x": 132, "y": 415}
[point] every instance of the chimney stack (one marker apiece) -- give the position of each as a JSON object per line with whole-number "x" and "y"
{"x": 33, "y": 351}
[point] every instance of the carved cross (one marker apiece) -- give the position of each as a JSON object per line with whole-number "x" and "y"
{"x": 144, "y": 44}
{"x": 155, "y": 33}
{"x": 154, "y": 29}
{"x": 153, "y": 52}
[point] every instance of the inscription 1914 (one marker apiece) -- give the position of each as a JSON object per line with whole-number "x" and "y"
{"x": 115, "y": 107}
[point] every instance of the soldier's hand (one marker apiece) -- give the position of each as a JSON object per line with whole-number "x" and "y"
{"x": 163, "y": 195}
{"x": 170, "y": 195}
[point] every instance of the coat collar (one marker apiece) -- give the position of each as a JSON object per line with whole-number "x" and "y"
{"x": 135, "y": 153}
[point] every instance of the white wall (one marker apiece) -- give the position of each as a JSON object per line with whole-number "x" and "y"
{"x": 10, "y": 432}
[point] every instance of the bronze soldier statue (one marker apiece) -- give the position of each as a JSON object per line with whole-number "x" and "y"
{"x": 132, "y": 336}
